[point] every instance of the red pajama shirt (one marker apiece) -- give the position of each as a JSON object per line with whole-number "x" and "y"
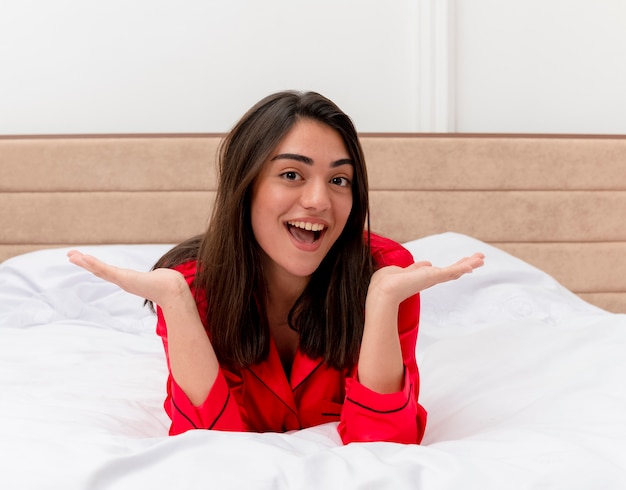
{"x": 260, "y": 398}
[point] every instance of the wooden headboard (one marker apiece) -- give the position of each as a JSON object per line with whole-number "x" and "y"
{"x": 557, "y": 202}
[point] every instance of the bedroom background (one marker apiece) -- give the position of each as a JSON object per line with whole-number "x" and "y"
{"x": 426, "y": 68}
{"x": 533, "y": 66}
{"x": 523, "y": 380}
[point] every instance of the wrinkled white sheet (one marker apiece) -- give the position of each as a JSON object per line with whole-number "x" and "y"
{"x": 523, "y": 382}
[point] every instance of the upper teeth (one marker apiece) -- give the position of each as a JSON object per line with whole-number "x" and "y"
{"x": 306, "y": 225}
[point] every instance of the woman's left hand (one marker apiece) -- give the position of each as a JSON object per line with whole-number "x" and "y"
{"x": 397, "y": 283}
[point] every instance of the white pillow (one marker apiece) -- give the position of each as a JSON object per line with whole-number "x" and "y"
{"x": 37, "y": 287}
{"x": 503, "y": 290}
{"x": 43, "y": 286}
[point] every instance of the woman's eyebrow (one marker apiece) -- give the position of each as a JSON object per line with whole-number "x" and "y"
{"x": 309, "y": 161}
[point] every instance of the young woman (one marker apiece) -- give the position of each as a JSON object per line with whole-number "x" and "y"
{"x": 288, "y": 313}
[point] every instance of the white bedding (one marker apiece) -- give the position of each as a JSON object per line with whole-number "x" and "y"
{"x": 523, "y": 382}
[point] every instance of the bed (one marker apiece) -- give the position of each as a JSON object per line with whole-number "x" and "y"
{"x": 522, "y": 362}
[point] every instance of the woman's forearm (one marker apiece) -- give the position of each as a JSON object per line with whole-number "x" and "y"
{"x": 193, "y": 362}
{"x": 380, "y": 366}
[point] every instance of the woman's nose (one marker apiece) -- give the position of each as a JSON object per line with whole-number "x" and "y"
{"x": 315, "y": 195}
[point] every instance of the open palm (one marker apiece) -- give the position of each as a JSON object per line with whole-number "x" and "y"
{"x": 158, "y": 285}
{"x": 399, "y": 283}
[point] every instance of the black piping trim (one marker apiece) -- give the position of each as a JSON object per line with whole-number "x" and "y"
{"x": 221, "y": 412}
{"x": 183, "y": 414}
{"x": 382, "y": 411}
{"x": 327, "y": 414}
{"x": 276, "y": 395}
{"x": 307, "y": 376}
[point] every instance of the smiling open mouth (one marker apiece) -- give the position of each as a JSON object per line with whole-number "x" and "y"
{"x": 304, "y": 231}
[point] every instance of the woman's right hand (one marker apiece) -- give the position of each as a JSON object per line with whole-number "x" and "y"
{"x": 193, "y": 363}
{"x": 161, "y": 286}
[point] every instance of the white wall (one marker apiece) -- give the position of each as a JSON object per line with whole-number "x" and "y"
{"x": 553, "y": 66}
{"x": 118, "y": 66}
{"x": 86, "y": 66}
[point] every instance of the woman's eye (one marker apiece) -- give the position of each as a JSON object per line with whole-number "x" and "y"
{"x": 290, "y": 175}
{"x": 341, "y": 181}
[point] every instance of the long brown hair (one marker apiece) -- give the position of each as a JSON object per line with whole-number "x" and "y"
{"x": 329, "y": 314}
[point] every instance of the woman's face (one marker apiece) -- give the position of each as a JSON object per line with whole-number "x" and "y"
{"x": 301, "y": 200}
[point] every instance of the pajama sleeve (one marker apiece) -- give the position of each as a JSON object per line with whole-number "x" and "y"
{"x": 219, "y": 410}
{"x": 394, "y": 417}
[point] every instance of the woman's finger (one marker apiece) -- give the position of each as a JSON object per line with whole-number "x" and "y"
{"x": 422, "y": 263}
{"x": 464, "y": 266}
{"x": 80, "y": 259}
{"x": 116, "y": 275}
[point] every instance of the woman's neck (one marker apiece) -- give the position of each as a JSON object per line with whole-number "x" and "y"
{"x": 282, "y": 290}
{"x": 281, "y": 295}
